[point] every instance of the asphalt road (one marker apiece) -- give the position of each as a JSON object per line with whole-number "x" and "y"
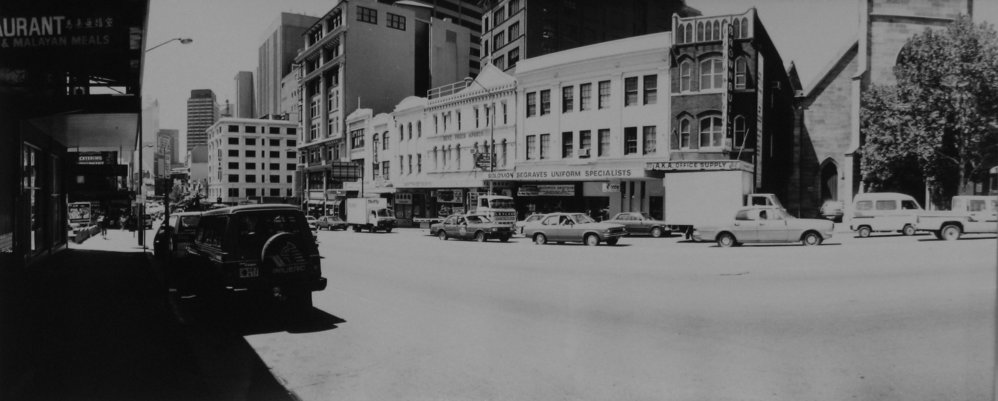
{"x": 884, "y": 318}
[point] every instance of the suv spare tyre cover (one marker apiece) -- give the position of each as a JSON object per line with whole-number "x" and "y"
{"x": 285, "y": 252}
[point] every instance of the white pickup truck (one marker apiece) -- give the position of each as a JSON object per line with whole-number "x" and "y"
{"x": 969, "y": 214}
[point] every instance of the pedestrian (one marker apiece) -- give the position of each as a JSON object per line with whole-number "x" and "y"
{"x": 103, "y": 222}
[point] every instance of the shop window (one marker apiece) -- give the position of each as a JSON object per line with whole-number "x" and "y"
{"x": 710, "y": 132}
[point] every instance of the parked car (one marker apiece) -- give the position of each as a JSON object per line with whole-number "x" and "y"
{"x": 574, "y": 227}
{"x": 833, "y": 210}
{"x": 331, "y": 222}
{"x": 639, "y": 223}
{"x": 969, "y": 214}
{"x": 766, "y": 225}
{"x": 266, "y": 250}
{"x": 313, "y": 223}
{"x": 884, "y": 211}
{"x": 468, "y": 226}
{"x": 171, "y": 240}
{"x": 532, "y": 219}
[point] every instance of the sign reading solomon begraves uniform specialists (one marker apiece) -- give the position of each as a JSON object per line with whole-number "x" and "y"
{"x": 563, "y": 173}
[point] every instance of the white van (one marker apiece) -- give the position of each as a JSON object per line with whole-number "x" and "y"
{"x": 884, "y": 211}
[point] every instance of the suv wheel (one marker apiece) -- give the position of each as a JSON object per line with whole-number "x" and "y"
{"x": 864, "y": 231}
{"x": 950, "y": 232}
{"x": 908, "y": 230}
{"x": 656, "y": 232}
{"x": 725, "y": 240}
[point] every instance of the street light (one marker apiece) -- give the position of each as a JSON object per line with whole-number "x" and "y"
{"x": 183, "y": 41}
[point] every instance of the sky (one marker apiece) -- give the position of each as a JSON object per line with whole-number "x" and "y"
{"x": 228, "y": 33}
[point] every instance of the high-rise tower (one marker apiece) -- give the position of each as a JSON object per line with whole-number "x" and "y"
{"x": 201, "y": 114}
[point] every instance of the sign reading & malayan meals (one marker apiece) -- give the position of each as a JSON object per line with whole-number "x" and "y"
{"x": 562, "y": 173}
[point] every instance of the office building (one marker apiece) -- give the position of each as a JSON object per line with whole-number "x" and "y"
{"x": 251, "y": 160}
{"x": 244, "y": 95}
{"x": 202, "y": 112}
{"x": 514, "y": 30}
{"x": 275, "y": 59}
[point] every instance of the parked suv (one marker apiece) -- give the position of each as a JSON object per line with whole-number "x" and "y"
{"x": 263, "y": 249}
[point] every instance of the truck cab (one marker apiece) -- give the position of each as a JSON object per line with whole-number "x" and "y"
{"x": 497, "y": 207}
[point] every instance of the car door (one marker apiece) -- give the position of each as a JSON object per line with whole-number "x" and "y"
{"x": 552, "y": 228}
{"x": 889, "y": 217}
{"x": 983, "y": 215}
{"x": 641, "y": 224}
{"x": 746, "y": 226}
{"x": 772, "y": 226}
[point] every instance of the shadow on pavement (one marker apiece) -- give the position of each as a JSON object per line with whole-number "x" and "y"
{"x": 96, "y": 325}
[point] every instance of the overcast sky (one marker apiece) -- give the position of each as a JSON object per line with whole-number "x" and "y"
{"x": 228, "y": 33}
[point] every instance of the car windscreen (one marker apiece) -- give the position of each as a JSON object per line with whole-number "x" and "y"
{"x": 478, "y": 219}
{"x": 502, "y": 204}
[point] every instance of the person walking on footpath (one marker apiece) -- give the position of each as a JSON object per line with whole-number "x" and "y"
{"x": 103, "y": 222}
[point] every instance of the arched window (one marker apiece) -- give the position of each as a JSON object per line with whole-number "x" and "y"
{"x": 744, "y": 28}
{"x": 717, "y": 31}
{"x": 384, "y": 140}
{"x": 401, "y": 132}
{"x": 685, "y": 75}
{"x": 736, "y": 29}
{"x": 419, "y": 128}
{"x": 741, "y": 71}
{"x": 684, "y": 133}
{"x": 689, "y": 33}
{"x": 710, "y": 132}
{"x": 739, "y": 128}
{"x": 680, "y": 33}
{"x": 699, "y": 31}
{"x": 457, "y": 157}
{"x": 711, "y": 73}
{"x": 410, "y": 130}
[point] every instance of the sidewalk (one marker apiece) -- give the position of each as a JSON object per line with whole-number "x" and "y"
{"x": 93, "y": 323}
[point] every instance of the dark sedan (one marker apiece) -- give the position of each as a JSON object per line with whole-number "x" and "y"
{"x": 468, "y": 226}
{"x": 639, "y": 223}
{"x": 331, "y": 222}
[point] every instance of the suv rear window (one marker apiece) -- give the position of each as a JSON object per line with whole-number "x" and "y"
{"x": 864, "y": 205}
{"x": 212, "y": 231}
{"x": 254, "y": 229}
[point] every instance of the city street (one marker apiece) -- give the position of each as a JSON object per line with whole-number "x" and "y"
{"x": 883, "y": 318}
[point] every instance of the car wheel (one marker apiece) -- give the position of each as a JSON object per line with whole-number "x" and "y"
{"x": 504, "y": 238}
{"x": 540, "y": 239}
{"x": 811, "y": 238}
{"x": 908, "y": 230}
{"x": 442, "y": 235}
{"x": 592, "y": 240}
{"x": 480, "y": 236}
{"x": 612, "y": 241}
{"x": 864, "y": 231}
{"x": 656, "y": 232}
{"x": 725, "y": 240}
{"x": 388, "y": 230}
{"x": 950, "y": 232}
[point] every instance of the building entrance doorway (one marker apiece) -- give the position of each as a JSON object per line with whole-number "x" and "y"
{"x": 829, "y": 181}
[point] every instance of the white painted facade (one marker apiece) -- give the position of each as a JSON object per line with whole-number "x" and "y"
{"x": 251, "y": 160}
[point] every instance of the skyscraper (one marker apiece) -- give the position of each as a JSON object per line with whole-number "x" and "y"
{"x": 244, "y": 94}
{"x": 202, "y": 112}
{"x": 275, "y": 57}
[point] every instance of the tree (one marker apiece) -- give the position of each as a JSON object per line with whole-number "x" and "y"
{"x": 942, "y": 114}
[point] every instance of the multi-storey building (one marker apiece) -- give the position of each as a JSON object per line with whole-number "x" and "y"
{"x": 244, "y": 95}
{"x": 251, "y": 160}
{"x": 275, "y": 60}
{"x": 202, "y": 112}
{"x": 466, "y": 13}
{"x": 391, "y": 52}
{"x": 514, "y": 30}
{"x": 590, "y": 120}
{"x": 167, "y": 142}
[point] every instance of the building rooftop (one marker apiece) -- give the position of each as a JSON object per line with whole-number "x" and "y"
{"x": 613, "y": 48}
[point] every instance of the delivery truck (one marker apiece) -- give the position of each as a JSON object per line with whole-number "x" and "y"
{"x": 497, "y": 207}
{"x": 372, "y": 214}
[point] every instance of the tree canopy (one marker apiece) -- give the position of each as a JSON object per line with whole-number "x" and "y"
{"x": 940, "y": 119}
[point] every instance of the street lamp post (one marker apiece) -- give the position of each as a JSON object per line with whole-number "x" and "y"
{"x": 183, "y": 41}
